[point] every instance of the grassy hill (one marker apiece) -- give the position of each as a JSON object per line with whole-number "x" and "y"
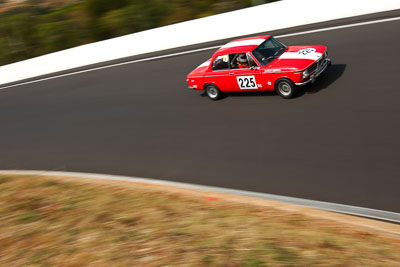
{"x": 31, "y": 28}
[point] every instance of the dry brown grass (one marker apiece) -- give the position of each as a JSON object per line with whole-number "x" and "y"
{"x": 7, "y": 5}
{"x": 54, "y": 222}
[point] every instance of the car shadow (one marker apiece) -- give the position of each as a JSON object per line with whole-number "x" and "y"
{"x": 242, "y": 94}
{"x": 328, "y": 77}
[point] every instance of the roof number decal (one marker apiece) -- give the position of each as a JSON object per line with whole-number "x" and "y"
{"x": 306, "y": 51}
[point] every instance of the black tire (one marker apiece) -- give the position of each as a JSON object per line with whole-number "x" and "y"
{"x": 213, "y": 92}
{"x": 285, "y": 88}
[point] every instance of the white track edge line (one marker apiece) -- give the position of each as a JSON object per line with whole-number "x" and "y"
{"x": 321, "y": 205}
{"x": 340, "y": 27}
{"x": 110, "y": 66}
{"x": 196, "y": 50}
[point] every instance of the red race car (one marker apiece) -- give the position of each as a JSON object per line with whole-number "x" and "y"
{"x": 259, "y": 64}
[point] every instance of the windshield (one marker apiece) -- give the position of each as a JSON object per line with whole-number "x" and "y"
{"x": 268, "y": 51}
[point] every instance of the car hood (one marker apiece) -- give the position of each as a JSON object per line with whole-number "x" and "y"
{"x": 297, "y": 58}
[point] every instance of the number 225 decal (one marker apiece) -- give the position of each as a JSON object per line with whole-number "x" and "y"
{"x": 246, "y": 82}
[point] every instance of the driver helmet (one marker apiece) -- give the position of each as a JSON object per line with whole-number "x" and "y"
{"x": 242, "y": 59}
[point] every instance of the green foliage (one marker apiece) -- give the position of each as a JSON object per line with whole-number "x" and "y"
{"x": 16, "y": 38}
{"x": 55, "y": 36}
{"x": 97, "y": 8}
{"x": 36, "y": 29}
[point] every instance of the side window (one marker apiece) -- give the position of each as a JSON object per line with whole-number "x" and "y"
{"x": 239, "y": 61}
{"x": 221, "y": 63}
{"x": 252, "y": 63}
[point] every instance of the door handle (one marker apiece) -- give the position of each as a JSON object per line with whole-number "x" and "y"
{"x": 231, "y": 73}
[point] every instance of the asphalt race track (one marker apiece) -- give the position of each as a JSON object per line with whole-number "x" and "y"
{"x": 338, "y": 141}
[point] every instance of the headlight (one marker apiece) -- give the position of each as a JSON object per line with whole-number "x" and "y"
{"x": 305, "y": 74}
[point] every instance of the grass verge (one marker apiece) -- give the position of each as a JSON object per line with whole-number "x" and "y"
{"x": 46, "y": 221}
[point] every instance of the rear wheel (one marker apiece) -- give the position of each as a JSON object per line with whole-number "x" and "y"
{"x": 213, "y": 92}
{"x": 285, "y": 88}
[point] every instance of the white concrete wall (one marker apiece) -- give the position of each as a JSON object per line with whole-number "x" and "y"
{"x": 268, "y": 17}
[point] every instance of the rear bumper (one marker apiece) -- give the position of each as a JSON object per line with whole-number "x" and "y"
{"x": 317, "y": 73}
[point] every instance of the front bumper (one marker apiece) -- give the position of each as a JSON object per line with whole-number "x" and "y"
{"x": 316, "y": 73}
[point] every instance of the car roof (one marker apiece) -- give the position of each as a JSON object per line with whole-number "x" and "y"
{"x": 241, "y": 45}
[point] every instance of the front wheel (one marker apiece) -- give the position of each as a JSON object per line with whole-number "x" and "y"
{"x": 285, "y": 88}
{"x": 213, "y": 92}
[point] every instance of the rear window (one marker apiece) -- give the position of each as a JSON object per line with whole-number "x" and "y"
{"x": 221, "y": 63}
